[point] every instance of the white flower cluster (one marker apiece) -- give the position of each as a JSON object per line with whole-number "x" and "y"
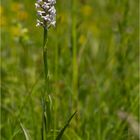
{"x": 47, "y": 13}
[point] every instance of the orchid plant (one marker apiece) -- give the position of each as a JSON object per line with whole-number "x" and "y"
{"x": 46, "y": 18}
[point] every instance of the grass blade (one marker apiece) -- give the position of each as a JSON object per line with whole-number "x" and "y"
{"x": 25, "y": 132}
{"x": 46, "y": 116}
{"x": 59, "y": 136}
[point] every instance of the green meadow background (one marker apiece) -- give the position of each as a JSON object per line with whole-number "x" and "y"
{"x": 93, "y": 69}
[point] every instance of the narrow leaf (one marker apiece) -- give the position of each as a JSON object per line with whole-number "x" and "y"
{"x": 64, "y": 128}
{"x": 25, "y": 132}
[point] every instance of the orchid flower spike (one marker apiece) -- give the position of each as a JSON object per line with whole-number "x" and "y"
{"x": 46, "y": 13}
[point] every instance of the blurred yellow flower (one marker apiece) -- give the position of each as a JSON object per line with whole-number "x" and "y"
{"x": 2, "y": 17}
{"x": 2, "y": 20}
{"x": 18, "y": 31}
{"x": 82, "y": 39}
{"x": 1, "y": 10}
{"x": 15, "y": 31}
{"x": 16, "y": 6}
{"x": 22, "y": 15}
{"x": 86, "y": 10}
{"x": 94, "y": 29}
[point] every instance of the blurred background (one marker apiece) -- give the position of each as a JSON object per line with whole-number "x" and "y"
{"x": 101, "y": 81}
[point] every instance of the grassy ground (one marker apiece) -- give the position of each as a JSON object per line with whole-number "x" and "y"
{"x": 93, "y": 68}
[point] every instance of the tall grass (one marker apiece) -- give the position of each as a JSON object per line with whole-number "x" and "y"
{"x": 74, "y": 53}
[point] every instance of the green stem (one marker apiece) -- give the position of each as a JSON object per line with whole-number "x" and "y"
{"x": 45, "y": 59}
{"x": 57, "y": 90}
{"x": 46, "y": 82}
{"x": 74, "y": 48}
{"x": 45, "y": 54}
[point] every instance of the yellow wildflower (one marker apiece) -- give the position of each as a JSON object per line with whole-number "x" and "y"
{"x": 82, "y": 39}
{"x": 15, "y": 31}
{"x": 22, "y": 15}
{"x": 16, "y": 6}
{"x": 94, "y": 29}
{"x": 2, "y": 17}
{"x": 1, "y": 10}
{"x": 2, "y": 21}
{"x": 86, "y": 10}
{"x": 18, "y": 31}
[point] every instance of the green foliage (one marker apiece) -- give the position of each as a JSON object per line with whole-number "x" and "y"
{"x": 92, "y": 67}
{"x": 25, "y": 132}
{"x": 59, "y": 136}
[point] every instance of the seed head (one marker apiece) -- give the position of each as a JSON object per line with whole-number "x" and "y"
{"x": 46, "y": 13}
